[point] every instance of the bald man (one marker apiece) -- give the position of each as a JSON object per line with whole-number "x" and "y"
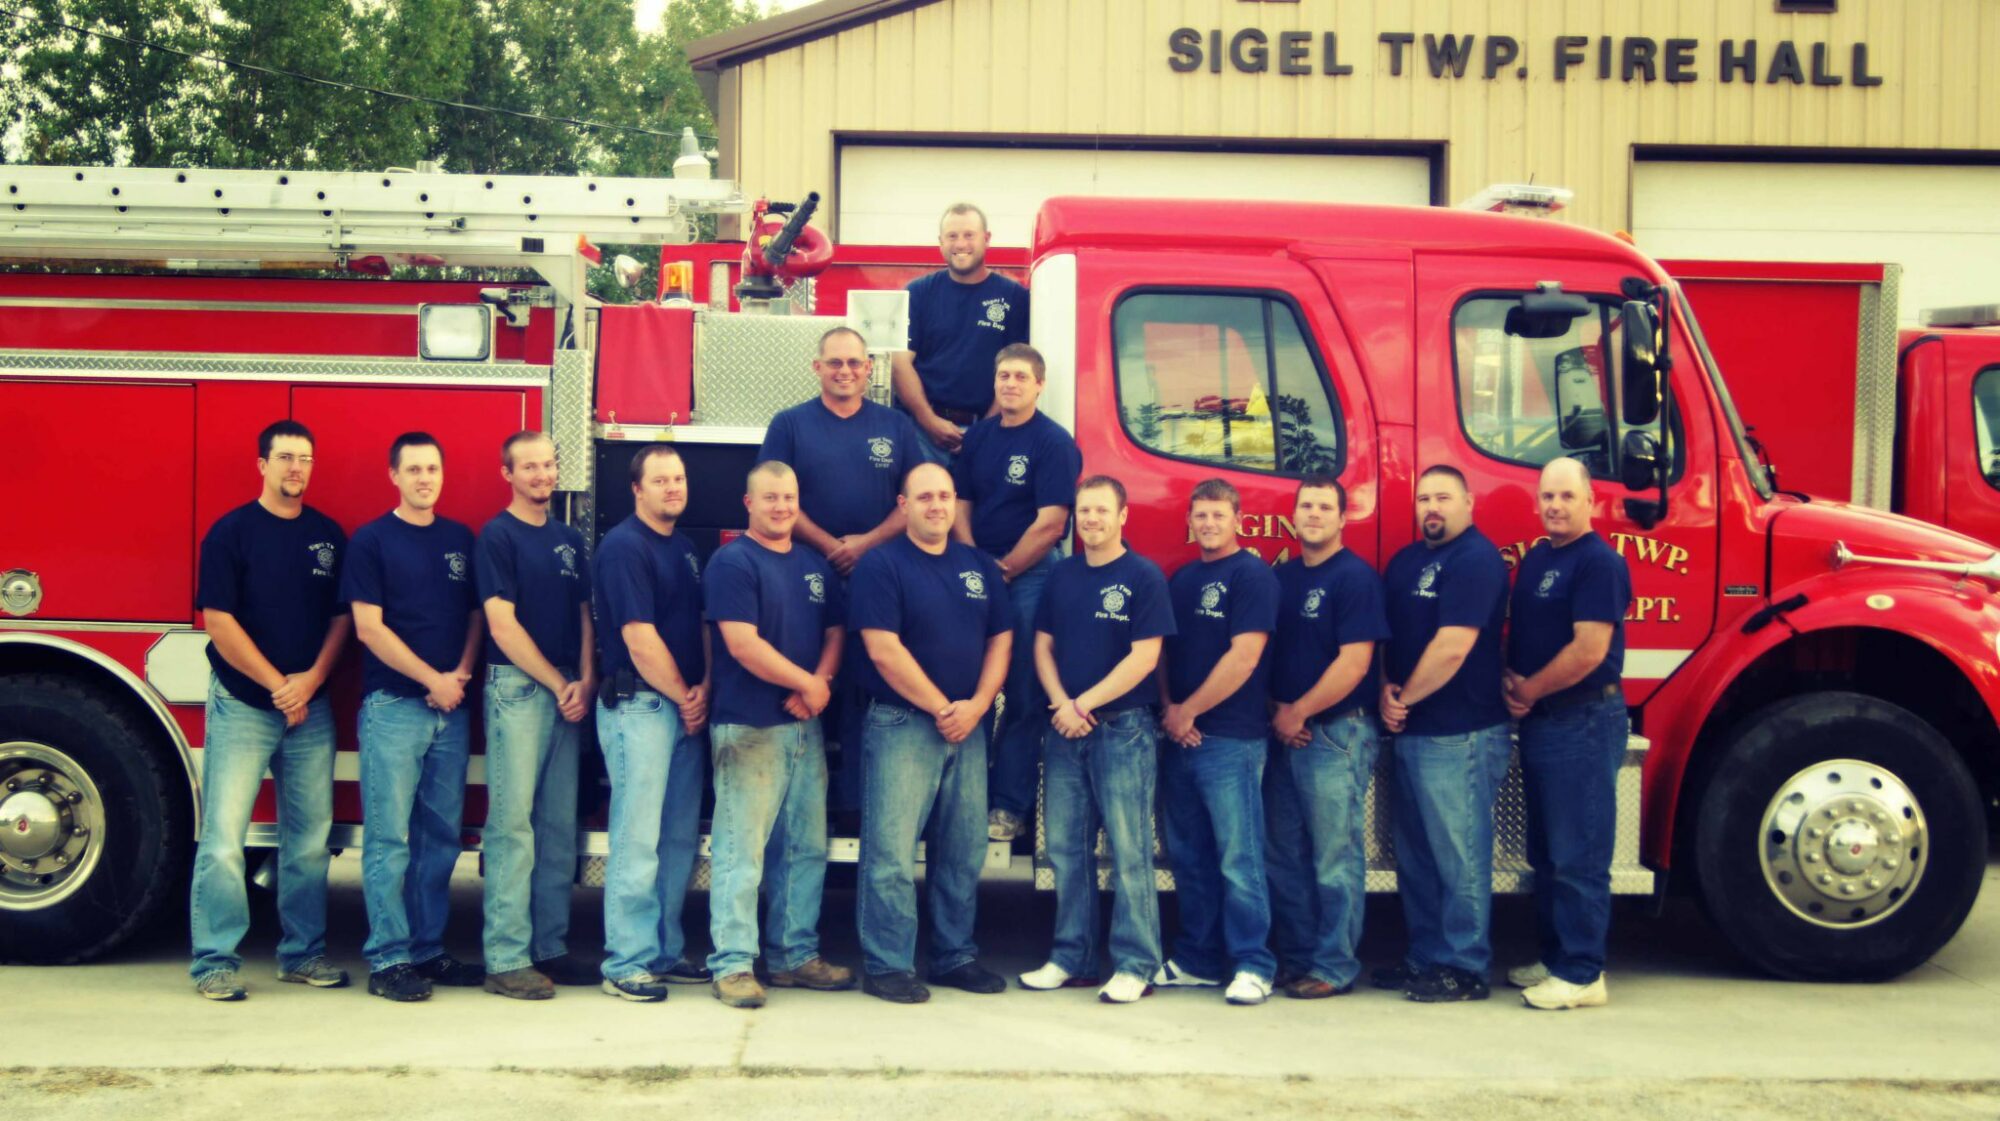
{"x": 1565, "y": 659}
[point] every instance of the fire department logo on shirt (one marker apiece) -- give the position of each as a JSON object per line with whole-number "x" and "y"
{"x": 567, "y": 554}
{"x": 694, "y": 566}
{"x": 996, "y": 314}
{"x": 1428, "y": 578}
{"x": 324, "y": 554}
{"x": 816, "y": 587}
{"x": 454, "y": 564}
{"x": 975, "y": 585}
{"x": 1313, "y": 599}
{"x": 882, "y": 451}
{"x": 1017, "y": 469}
{"x": 1113, "y": 599}
{"x": 1548, "y": 581}
{"x": 1211, "y": 599}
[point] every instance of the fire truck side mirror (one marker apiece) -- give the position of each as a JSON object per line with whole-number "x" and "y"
{"x": 1640, "y": 369}
{"x": 1639, "y": 465}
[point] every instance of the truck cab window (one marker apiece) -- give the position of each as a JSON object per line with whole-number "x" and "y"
{"x": 1225, "y": 379}
{"x": 1986, "y": 421}
{"x": 1531, "y": 400}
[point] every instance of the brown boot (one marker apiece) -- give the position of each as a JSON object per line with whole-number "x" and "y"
{"x": 738, "y": 990}
{"x": 818, "y": 973}
{"x": 1312, "y": 988}
{"x": 522, "y": 984}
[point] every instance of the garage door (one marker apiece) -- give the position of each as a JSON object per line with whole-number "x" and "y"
{"x": 1942, "y": 224}
{"x": 892, "y": 195}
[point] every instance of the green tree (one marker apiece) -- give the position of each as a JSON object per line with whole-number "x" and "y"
{"x": 79, "y": 99}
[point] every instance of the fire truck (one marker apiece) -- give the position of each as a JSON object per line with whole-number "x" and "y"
{"x": 1812, "y": 683}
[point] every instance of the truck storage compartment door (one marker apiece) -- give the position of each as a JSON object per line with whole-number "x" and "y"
{"x": 102, "y": 511}
{"x": 354, "y": 425}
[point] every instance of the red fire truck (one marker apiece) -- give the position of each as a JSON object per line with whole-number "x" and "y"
{"x": 1813, "y": 684}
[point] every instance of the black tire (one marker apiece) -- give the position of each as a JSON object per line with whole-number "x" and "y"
{"x": 146, "y": 836}
{"x": 1733, "y": 845}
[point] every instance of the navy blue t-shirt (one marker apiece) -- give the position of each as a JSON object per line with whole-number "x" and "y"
{"x": 1096, "y": 614}
{"x": 644, "y": 576}
{"x": 936, "y": 604}
{"x": 543, "y": 572}
{"x": 1459, "y": 584}
{"x": 791, "y": 597}
{"x": 280, "y": 579}
{"x": 956, "y": 329}
{"x": 1009, "y": 474}
{"x": 849, "y": 469}
{"x": 1585, "y": 581}
{"x": 1214, "y": 601}
{"x": 1322, "y": 608}
{"x": 421, "y": 577}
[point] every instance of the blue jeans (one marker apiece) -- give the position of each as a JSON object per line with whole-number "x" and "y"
{"x": 1017, "y": 740}
{"x": 656, "y": 774}
{"x": 1569, "y": 773}
{"x": 1316, "y": 807}
{"x": 1443, "y": 829}
{"x": 413, "y": 800}
{"x": 1212, "y": 807}
{"x": 769, "y": 837}
{"x": 915, "y": 779}
{"x": 530, "y": 835}
{"x": 1108, "y": 774}
{"x": 243, "y": 742}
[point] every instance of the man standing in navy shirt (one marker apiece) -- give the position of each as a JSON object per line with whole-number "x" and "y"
{"x": 409, "y": 581}
{"x": 534, "y": 581}
{"x": 960, "y": 317}
{"x": 1565, "y": 665}
{"x": 849, "y": 456}
{"x": 269, "y": 600}
{"x": 1324, "y": 739}
{"x": 921, "y": 604}
{"x": 1215, "y": 684}
{"x": 1097, "y": 641}
{"x": 1447, "y": 601}
{"x": 1016, "y": 479}
{"x": 651, "y": 710}
{"x": 777, "y": 613}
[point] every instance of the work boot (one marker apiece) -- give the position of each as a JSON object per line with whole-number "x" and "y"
{"x": 738, "y": 990}
{"x": 818, "y": 973}
{"x": 521, "y": 984}
{"x": 400, "y": 983}
{"x": 1312, "y": 988}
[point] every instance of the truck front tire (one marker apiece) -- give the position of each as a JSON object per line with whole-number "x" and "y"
{"x": 94, "y": 834}
{"x": 1839, "y": 838}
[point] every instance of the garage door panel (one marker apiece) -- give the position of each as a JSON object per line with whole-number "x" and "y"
{"x": 893, "y": 194}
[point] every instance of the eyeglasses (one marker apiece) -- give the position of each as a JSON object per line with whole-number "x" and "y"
{"x": 287, "y": 459}
{"x": 846, "y": 363}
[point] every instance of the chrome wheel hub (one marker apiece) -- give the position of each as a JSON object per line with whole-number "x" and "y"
{"x": 1843, "y": 843}
{"x": 51, "y": 816}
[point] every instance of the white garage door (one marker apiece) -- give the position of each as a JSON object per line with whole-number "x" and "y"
{"x": 1942, "y": 224}
{"x": 892, "y": 195}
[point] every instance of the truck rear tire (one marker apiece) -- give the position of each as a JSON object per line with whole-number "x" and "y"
{"x": 1840, "y": 838}
{"x": 94, "y": 827}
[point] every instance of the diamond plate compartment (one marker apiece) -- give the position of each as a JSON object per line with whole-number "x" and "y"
{"x": 569, "y": 417}
{"x": 749, "y": 367}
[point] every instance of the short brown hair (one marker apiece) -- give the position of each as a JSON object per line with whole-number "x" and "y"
{"x": 963, "y": 208}
{"x": 1024, "y": 353}
{"x": 526, "y": 436}
{"x": 1322, "y": 482}
{"x": 1216, "y": 490}
{"x": 842, "y": 329}
{"x": 640, "y": 457}
{"x": 1115, "y": 486}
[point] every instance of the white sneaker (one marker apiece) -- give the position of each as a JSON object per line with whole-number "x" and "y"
{"x": 1049, "y": 976}
{"x": 1248, "y": 988}
{"x": 1556, "y": 993}
{"x": 1123, "y": 988}
{"x": 1172, "y": 975}
{"x": 1527, "y": 976}
{"x": 1003, "y": 825}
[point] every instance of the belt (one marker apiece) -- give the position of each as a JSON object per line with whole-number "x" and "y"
{"x": 1322, "y": 720}
{"x": 1563, "y": 702}
{"x": 965, "y": 418}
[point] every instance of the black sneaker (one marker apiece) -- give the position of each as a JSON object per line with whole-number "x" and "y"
{"x": 570, "y": 970}
{"x": 685, "y": 972}
{"x": 643, "y": 988}
{"x": 1397, "y": 978}
{"x": 896, "y": 988}
{"x": 1444, "y": 985}
{"x": 971, "y": 977}
{"x": 450, "y": 972}
{"x": 400, "y": 983}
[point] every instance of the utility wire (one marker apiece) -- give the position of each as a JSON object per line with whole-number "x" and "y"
{"x": 445, "y": 103}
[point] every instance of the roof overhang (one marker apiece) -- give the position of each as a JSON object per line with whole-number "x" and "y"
{"x": 786, "y": 29}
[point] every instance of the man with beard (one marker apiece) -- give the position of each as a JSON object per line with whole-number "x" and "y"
{"x": 269, "y": 600}
{"x": 534, "y": 581}
{"x": 960, "y": 317}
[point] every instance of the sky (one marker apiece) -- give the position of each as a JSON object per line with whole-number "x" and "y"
{"x": 646, "y": 13}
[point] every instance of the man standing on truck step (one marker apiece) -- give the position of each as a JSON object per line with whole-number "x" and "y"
{"x": 776, "y": 609}
{"x": 922, "y": 604}
{"x": 1447, "y": 600}
{"x": 1016, "y": 479}
{"x": 409, "y": 580}
{"x": 849, "y": 455}
{"x": 961, "y": 316}
{"x": 1564, "y": 681}
{"x": 1214, "y": 683}
{"x": 269, "y": 599}
{"x": 1097, "y": 641}
{"x": 1324, "y": 739}
{"x": 534, "y": 582}
{"x": 652, "y": 705}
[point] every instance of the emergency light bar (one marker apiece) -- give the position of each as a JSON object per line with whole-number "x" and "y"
{"x": 1519, "y": 198}
{"x": 1973, "y": 315}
